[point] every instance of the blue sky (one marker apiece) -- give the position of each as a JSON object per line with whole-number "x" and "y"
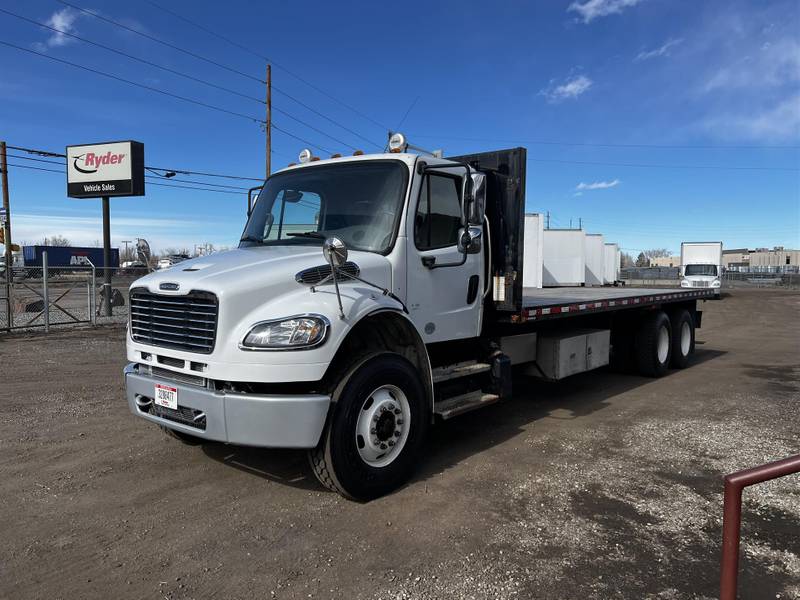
{"x": 591, "y": 88}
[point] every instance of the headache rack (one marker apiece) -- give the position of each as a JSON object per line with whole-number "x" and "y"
{"x": 187, "y": 322}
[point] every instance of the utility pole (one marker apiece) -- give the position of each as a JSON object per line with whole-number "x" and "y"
{"x": 126, "y": 242}
{"x": 548, "y": 220}
{"x": 6, "y": 210}
{"x": 580, "y": 222}
{"x": 6, "y": 223}
{"x": 269, "y": 121}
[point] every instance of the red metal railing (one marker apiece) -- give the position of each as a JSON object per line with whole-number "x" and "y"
{"x": 732, "y": 516}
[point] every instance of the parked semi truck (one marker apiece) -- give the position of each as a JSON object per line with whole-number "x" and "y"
{"x": 701, "y": 265}
{"x": 370, "y": 297}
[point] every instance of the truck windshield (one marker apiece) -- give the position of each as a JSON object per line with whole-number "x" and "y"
{"x": 359, "y": 202}
{"x": 700, "y": 270}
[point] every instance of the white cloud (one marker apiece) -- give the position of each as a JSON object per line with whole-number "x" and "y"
{"x": 64, "y": 21}
{"x": 662, "y": 50}
{"x": 597, "y": 185}
{"x": 568, "y": 90}
{"x": 779, "y": 123}
{"x": 592, "y": 9}
{"x": 773, "y": 64}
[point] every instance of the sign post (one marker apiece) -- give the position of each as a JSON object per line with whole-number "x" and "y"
{"x": 102, "y": 171}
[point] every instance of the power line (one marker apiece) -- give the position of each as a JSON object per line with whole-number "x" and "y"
{"x": 283, "y": 131}
{"x": 131, "y": 56}
{"x": 601, "y": 145}
{"x": 660, "y": 166}
{"x": 266, "y": 58}
{"x": 133, "y": 83}
{"x": 160, "y": 41}
{"x": 181, "y": 171}
{"x": 181, "y": 74}
{"x": 188, "y": 187}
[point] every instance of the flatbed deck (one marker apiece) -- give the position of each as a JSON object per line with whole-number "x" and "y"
{"x": 546, "y": 303}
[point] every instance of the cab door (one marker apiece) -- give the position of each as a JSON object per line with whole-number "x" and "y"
{"x": 444, "y": 297}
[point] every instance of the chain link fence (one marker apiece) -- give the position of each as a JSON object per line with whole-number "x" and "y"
{"x": 47, "y": 297}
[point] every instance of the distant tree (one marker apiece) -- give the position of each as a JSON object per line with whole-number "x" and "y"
{"x": 56, "y": 240}
{"x": 642, "y": 260}
{"x": 657, "y": 253}
{"x": 626, "y": 260}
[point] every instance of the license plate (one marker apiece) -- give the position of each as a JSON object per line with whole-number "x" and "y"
{"x": 166, "y": 396}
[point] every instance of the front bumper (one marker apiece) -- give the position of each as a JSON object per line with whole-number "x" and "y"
{"x": 273, "y": 421}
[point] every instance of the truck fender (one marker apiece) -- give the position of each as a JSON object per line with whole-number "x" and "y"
{"x": 379, "y": 331}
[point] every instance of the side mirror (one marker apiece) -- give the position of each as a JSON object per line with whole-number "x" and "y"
{"x": 477, "y": 205}
{"x": 334, "y": 251}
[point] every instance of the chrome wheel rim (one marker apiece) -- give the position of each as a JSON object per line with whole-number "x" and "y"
{"x": 686, "y": 338}
{"x": 383, "y": 426}
{"x": 663, "y": 344}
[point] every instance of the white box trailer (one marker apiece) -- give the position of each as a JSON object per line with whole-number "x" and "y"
{"x": 563, "y": 258}
{"x": 594, "y": 259}
{"x": 611, "y": 260}
{"x": 534, "y": 240}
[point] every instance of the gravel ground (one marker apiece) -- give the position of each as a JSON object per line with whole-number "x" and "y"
{"x": 601, "y": 486}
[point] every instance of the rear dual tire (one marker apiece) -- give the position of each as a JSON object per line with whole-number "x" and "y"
{"x": 682, "y": 338}
{"x": 653, "y": 345}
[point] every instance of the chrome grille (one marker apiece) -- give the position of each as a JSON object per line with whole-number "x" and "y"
{"x": 186, "y": 322}
{"x": 314, "y": 275}
{"x": 703, "y": 284}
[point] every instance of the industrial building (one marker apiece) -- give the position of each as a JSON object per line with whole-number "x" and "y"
{"x": 743, "y": 259}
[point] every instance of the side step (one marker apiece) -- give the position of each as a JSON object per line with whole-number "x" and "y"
{"x": 457, "y": 370}
{"x": 457, "y": 405}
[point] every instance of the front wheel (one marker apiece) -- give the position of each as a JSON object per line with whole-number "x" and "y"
{"x": 378, "y": 421}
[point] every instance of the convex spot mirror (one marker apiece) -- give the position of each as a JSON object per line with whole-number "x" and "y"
{"x": 334, "y": 251}
{"x": 469, "y": 240}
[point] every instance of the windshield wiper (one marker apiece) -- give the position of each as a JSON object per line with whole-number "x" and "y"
{"x": 252, "y": 238}
{"x": 309, "y": 234}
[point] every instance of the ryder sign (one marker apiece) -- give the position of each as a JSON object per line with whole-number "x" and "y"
{"x": 110, "y": 169}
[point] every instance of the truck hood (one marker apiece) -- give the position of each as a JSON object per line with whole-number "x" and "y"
{"x": 261, "y": 269}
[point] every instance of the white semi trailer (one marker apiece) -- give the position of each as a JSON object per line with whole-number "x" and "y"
{"x": 611, "y": 264}
{"x": 701, "y": 265}
{"x": 399, "y": 304}
{"x": 594, "y": 258}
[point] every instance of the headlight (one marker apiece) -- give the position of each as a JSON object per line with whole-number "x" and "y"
{"x": 302, "y": 331}
{"x": 715, "y": 283}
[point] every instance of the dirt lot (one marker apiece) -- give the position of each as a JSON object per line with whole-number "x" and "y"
{"x": 603, "y": 486}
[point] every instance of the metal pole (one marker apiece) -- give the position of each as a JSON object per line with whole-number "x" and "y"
{"x": 269, "y": 120}
{"x": 45, "y": 294}
{"x": 732, "y": 516}
{"x": 106, "y": 256}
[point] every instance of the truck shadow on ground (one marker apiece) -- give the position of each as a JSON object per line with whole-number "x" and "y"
{"x": 451, "y": 442}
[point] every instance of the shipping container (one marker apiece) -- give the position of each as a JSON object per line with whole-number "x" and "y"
{"x": 68, "y": 256}
{"x": 563, "y": 257}
{"x": 595, "y": 256}
{"x": 534, "y": 240}
{"x": 611, "y": 264}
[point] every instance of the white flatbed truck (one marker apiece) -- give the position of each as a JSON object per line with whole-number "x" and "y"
{"x": 370, "y": 297}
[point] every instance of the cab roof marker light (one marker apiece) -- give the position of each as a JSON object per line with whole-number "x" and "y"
{"x": 358, "y": 153}
{"x": 399, "y": 143}
{"x": 336, "y": 155}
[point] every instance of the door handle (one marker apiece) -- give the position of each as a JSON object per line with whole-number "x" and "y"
{"x": 429, "y": 261}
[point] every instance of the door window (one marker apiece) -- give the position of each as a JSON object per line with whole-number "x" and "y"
{"x": 438, "y": 217}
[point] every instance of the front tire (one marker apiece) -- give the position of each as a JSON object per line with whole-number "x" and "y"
{"x": 378, "y": 421}
{"x": 653, "y": 345}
